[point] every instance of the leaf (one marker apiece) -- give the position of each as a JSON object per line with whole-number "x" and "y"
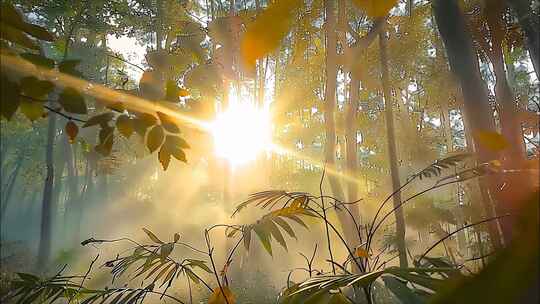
{"x": 361, "y": 252}
{"x": 164, "y": 157}
{"x": 168, "y": 123}
{"x": 35, "y": 88}
{"x": 72, "y": 101}
{"x": 17, "y": 36}
{"x": 172, "y": 91}
{"x": 152, "y": 236}
{"x": 402, "y": 292}
{"x": 9, "y": 98}
{"x": 219, "y": 297}
{"x": 166, "y": 250}
{"x": 266, "y": 32}
{"x": 274, "y": 231}
{"x": 183, "y": 92}
{"x": 9, "y": 15}
{"x": 264, "y": 237}
{"x": 246, "y": 232}
{"x": 491, "y": 140}
{"x": 281, "y": 222}
{"x": 39, "y": 60}
{"x": 105, "y": 141}
{"x": 175, "y": 145}
{"x": 339, "y": 298}
{"x": 200, "y": 264}
{"x": 375, "y": 8}
{"x": 155, "y": 138}
{"x": 70, "y": 67}
{"x": 71, "y": 130}
{"x": 124, "y": 124}
{"x": 176, "y": 237}
{"x": 33, "y": 110}
{"x": 101, "y": 119}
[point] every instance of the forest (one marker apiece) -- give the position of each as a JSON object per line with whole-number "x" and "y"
{"x": 269, "y": 151}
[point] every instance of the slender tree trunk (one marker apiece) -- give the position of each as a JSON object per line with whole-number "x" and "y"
{"x": 73, "y": 197}
{"x": 392, "y": 152}
{"x": 530, "y": 25}
{"x": 476, "y": 109}
{"x": 11, "y": 185}
{"x": 45, "y": 235}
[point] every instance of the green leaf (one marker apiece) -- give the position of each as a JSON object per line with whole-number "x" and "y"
{"x": 166, "y": 250}
{"x": 281, "y": 222}
{"x": 200, "y": 264}
{"x": 402, "y": 292}
{"x": 264, "y": 237}
{"x": 70, "y": 67}
{"x": 274, "y": 231}
{"x": 172, "y": 91}
{"x": 33, "y": 110}
{"x": 35, "y": 88}
{"x": 246, "y": 232}
{"x": 152, "y": 236}
{"x": 72, "y": 101}
{"x": 9, "y": 98}
{"x": 17, "y": 36}
{"x": 39, "y": 60}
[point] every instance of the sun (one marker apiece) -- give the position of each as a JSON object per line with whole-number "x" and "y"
{"x": 241, "y": 133}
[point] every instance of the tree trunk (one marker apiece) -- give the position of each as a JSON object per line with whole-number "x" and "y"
{"x": 530, "y": 25}
{"x": 11, "y": 185}
{"x": 45, "y": 235}
{"x": 349, "y": 230}
{"x": 517, "y": 186}
{"x": 464, "y": 64}
{"x": 73, "y": 197}
{"x": 392, "y": 152}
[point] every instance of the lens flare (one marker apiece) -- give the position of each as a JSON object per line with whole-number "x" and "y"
{"x": 242, "y": 132}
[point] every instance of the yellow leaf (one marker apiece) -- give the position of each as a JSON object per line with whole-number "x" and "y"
{"x": 31, "y": 109}
{"x": 219, "y": 297}
{"x": 266, "y": 32}
{"x": 375, "y": 8}
{"x": 361, "y": 252}
{"x": 491, "y": 140}
{"x": 183, "y": 92}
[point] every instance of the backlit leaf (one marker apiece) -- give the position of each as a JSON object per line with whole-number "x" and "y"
{"x": 33, "y": 110}
{"x": 72, "y": 101}
{"x": 124, "y": 124}
{"x": 361, "y": 252}
{"x": 491, "y": 140}
{"x": 155, "y": 138}
{"x": 152, "y": 236}
{"x": 264, "y": 237}
{"x": 265, "y": 34}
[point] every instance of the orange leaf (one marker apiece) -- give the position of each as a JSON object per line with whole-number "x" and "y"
{"x": 219, "y": 297}
{"x": 71, "y": 130}
{"x": 361, "y": 252}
